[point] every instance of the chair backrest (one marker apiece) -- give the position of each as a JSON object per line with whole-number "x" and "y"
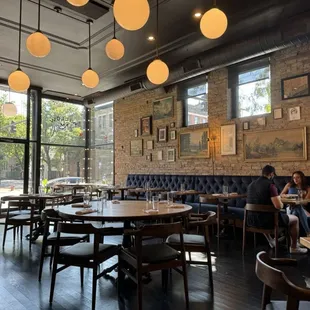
{"x": 202, "y": 219}
{"x": 73, "y": 228}
{"x": 160, "y": 230}
{"x": 261, "y": 208}
{"x": 276, "y": 279}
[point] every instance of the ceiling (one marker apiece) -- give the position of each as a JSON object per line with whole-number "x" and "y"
{"x": 180, "y": 38}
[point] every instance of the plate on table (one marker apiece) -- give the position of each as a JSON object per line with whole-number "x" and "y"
{"x": 216, "y": 195}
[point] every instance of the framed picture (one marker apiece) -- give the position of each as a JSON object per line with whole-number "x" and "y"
{"x": 246, "y": 125}
{"x": 136, "y": 133}
{"x": 136, "y": 147}
{"x": 160, "y": 155}
{"x": 275, "y": 145}
{"x": 150, "y": 145}
{"x": 228, "y": 139}
{"x": 294, "y": 114}
{"x": 172, "y": 135}
{"x": 163, "y": 108}
{"x": 171, "y": 155}
{"x": 172, "y": 125}
{"x": 194, "y": 143}
{"x": 146, "y": 126}
{"x": 162, "y": 134}
{"x": 148, "y": 157}
{"x": 261, "y": 121}
{"x": 296, "y": 86}
{"x": 277, "y": 113}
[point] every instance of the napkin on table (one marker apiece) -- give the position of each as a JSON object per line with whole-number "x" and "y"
{"x": 85, "y": 211}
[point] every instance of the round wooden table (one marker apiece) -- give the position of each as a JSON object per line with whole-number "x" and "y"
{"x": 125, "y": 211}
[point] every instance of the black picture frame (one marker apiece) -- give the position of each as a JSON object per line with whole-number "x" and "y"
{"x": 162, "y": 134}
{"x": 146, "y": 126}
{"x": 291, "y": 89}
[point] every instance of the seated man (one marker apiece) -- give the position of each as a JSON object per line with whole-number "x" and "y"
{"x": 263, "y": 192}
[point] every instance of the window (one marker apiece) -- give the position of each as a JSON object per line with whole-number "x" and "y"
{"x": 196, "y": 99}
{"x": 102, "y": 145}
{"x": 250, "y": 86}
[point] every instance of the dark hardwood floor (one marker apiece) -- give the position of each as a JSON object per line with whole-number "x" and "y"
{"x": 235, "y": 283}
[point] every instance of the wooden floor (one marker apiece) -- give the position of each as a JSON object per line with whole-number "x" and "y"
{"x": 235, "y": 283}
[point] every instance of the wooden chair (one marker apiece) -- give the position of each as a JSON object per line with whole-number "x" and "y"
{"x": 194, "y": 243}
{"x": 150, "y": 257}
{"x": 20, "y": 214}
{"x": 50, "y": 240}
{"x": 83, "y": 254}
{"x": 270, "y": 209}
{"x": 275, "y": 279}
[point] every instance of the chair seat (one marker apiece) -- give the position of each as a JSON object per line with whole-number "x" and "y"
{"x": 64, "y": 236}
{"x": 281, "y": 305}
{"x": 85, "y": 250}
{"x": 156, "y": 253}
{"x": 24, "y": 217}
{"x": 188, "y": 239}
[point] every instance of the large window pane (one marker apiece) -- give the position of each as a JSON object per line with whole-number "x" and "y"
{"x": 63, "y": 123}
{"x": 11, "y": 168}
{"x": 102, "y": 144}
{"x": 62, "y": 162}
{"x": 13, "y": 114}
{"x": 197, "y": 105}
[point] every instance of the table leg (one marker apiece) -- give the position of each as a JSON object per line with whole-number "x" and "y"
{"x": 122, "y": 194}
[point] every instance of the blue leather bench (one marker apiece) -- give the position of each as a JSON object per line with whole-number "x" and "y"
{"x": 203, "y": 183}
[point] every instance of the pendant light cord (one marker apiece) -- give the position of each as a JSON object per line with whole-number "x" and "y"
{"x": 157, "y": 28}
{"x": 89, "y": 51}
{"x": 214, "y": 3}
{"x": 39, "y": 14}
{"x": 20, "y": 32}
{"x": 114, "y": 37}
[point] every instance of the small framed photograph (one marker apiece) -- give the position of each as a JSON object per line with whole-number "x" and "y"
{"x": 261, "y": 121}
{"x": 277, "y": 113}
{"x": 150, "y": 145}
{"x": 171, "y": 155}
{"x": 136, "y": 133}
{"x": 160, "y": 155}
{"x": 172, "y": 125}
{"x": 172, "y": 135}
{"x": 146, "y": 126}
{"x": 228, "y": 139}
{"x": 148, "y": 157}
{"x": 246, "y": 125}
{"x": 162, "y": 134}
{"x": 296, "y": 86}
{"x": 294, "y": 114}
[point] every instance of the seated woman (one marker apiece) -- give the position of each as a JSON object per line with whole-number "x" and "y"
{"x": 299, "y": 184}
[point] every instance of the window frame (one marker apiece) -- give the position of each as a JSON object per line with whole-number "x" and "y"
{"x": 233, "y": 82}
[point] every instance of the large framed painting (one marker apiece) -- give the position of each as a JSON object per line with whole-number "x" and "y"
{"x": 294, "y": 87}
{"x": 136, "y": 147}
{"x": 228, "y": 139}
{"x": 163, "y": 108}
{"x": 194, "y": 143}
{"x": 275, "y": 145}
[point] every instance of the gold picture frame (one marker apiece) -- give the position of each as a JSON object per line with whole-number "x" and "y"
{"x": 275, "y": 145}
{"x": 136, "y": 148}
{"x": 194, "y": 143}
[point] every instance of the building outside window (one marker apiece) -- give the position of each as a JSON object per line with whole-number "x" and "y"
{"x": 102, "y": 144}
{"x": 251, "y": 88}
{"x": 196, "y": 104}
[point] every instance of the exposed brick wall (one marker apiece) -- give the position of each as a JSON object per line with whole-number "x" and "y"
{"x": 128, "y": 111}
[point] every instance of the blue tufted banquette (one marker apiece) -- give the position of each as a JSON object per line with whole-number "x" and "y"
{"x": 204, "y": 183}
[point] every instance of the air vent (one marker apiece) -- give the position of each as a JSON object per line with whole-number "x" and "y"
{"x": 136, "y": 86}
{"x": 192, "y": 65}
{"x": 92, "y": 9}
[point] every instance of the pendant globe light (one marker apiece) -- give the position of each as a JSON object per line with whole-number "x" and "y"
{"x": 213, "y": 23}
{"x": 90, "y": 77}
{"x": 77, "y": 2}
{"x": 131, "y": 14}
{"x": 114, "y": 49}
{"x": 37, "y": 43}
{"x": 157, "y": 71}
{"x": 9, "y": 108}
{"x": 19, "y": 80}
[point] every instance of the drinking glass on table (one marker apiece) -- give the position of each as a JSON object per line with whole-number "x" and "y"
{"x": 170, "y": 199}
{"x": 86, "y": 198}
{"x": 225, "y": 190}
{"x": 155, "y": 202}
{"x": 300, "y": 193}
{"x": 182, "y": 187}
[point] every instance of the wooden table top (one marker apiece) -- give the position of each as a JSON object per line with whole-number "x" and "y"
{"x": 295, "y": 201}
{"x": 229, "y": 196}
{"x": 35, "y": 196}
{"x": 125, "y": 210}
{"x": 186, "y": 192}
{"x": 153, "y": 190}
